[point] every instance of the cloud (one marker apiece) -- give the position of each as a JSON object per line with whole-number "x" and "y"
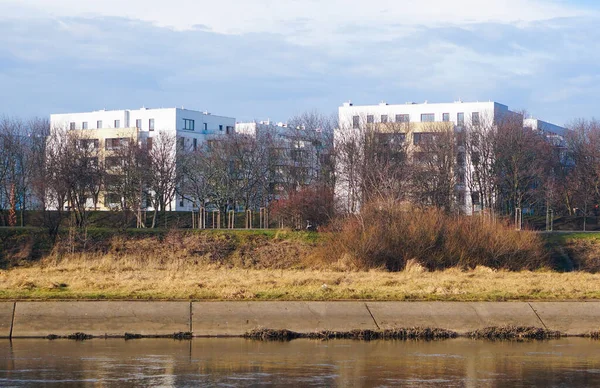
{"x": 304, "y": 21}
{"x": 76, "y": 58}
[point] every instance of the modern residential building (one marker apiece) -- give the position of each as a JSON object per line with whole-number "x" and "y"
{"x": 301, "y": 155}
{"x": 107, "y": 129}
{"x": 415, "y": 121}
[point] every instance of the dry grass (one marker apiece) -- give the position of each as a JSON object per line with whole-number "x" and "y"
{"x": 385, "y": 235}
{"x": 122, "y": 277}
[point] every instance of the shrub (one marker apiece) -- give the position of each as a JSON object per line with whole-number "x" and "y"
{"x": 387, "y": 235}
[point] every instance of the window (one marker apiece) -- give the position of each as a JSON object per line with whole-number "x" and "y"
{"x": 402, "y": 118}
{"x": 138, "y": 123}
{"x": 446, "y": 117}
{"x": 115, "y": 143}
{"x": 188, "y": 125}
{"x": 151, "y": 125}
{"x": 220, "y": 127}
{"x": 99, "y": 124}
{"x": 460, "y": 119}
{"x": 182, "y": 142}
{"x": 89, "y": 144}
{"x": 206, "y": 126}
{"x": 421, "y": 137}
{"x": 355, "y": 122}
{"x": 117, "y": 123}
{"x": 384, "y": 118}
{"x": 416, "y": 138}
{"x": 84, "y": 125}
{"x": 475, "y": 118}
{"x": 229, "y": 129}
{"x": 391, "y": 140}
{"x": 428, "y": 117}
{"x": 181, "y": 201}
{"x": 72, "y": 126}
{"x": 370, "y": 119}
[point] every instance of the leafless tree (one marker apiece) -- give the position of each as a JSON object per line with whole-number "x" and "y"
{"x": 162, "y": 174}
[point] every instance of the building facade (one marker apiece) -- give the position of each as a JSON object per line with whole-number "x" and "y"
{"x": 106, "y": 130}
{"x": 300, "y": 155}
{"x": 416, "y": 122}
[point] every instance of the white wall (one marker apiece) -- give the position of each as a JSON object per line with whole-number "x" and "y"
{"x": 486, "y": 110}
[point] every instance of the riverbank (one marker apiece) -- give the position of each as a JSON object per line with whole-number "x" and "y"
{"x": 216, "y": 319}
{"x": 112, "y": 279}
{"x": 261, "y": 266}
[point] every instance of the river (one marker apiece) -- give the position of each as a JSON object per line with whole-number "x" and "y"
{"x": 571, "y": 362}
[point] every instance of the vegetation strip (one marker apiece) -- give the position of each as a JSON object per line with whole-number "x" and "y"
{"x": 403, "y": 334}
{"x": 364, "y": 335}
{"x": 514, "y": 332}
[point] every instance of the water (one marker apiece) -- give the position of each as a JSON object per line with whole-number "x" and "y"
{"x": 569, "y": 362}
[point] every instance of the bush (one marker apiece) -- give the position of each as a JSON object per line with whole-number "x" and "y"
{"x": 387, "y": 235}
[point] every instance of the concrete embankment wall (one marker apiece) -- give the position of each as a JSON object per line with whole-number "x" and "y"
{"x": 115, "y": 318}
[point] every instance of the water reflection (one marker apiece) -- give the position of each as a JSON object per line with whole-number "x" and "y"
{"x": 237, "y": 362}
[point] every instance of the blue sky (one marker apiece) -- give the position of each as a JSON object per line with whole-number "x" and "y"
{"x": 258, "y": 59}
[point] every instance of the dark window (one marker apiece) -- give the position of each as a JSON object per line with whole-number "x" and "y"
{"x": 384, "y": 118}
{"x": 422, "y": 137}
{"x": 428, "y": 117}
{"x": 475, "y": 118}
{"x": 460, "y": 119}
{"x": 206, "y": 126}
{"x": 71, "y": 126}
{"x": 416, "y": 138}
{"x": 151, "y": 124}
{"x": 117, "y": 123}
{"x": 188, "y": 124}
{"x": 355, "y": 122}
{"x": 370, "y": 119}
{"x": 229, "y": 129}
{"x": 84, "y": 125}
{"x": 111, "y": 144}
{"x": 446, "y": 117}
{"x": 99, "y": 124}
{"x": 89, "y": 144}
{"x": 138, "y": 123}
{"x": 220, "y": 127}
{"x": 402, "y": 118}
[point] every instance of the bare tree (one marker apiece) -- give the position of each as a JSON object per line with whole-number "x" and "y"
{"x": 162, "y": 174}
{"x": 434, "y": 177}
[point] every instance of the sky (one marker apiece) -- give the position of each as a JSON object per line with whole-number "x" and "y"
{"x": 260, "y": 59}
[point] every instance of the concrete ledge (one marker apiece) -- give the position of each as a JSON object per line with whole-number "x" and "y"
{"x": 104, "y": 318}
{"x": 236, "y": 318}
{"x": 460, "y": 317}
{"x": 6, "y": 318}
{"x": 573, "y": 318}
{"x": 39, "y": 319}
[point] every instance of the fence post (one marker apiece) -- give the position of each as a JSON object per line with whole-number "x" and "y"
{"x": 518, "y": 219}
{"x": 231, "y": 219}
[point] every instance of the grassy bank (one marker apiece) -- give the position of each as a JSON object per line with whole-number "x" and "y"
{"x": 264, "y": 265}
{"x": 107, "y": 278}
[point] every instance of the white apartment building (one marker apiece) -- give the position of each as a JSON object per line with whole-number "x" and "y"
{"x": 458, "y": 114}
{"x": 301, "y": 152}
{"x": 191, "y": 128}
